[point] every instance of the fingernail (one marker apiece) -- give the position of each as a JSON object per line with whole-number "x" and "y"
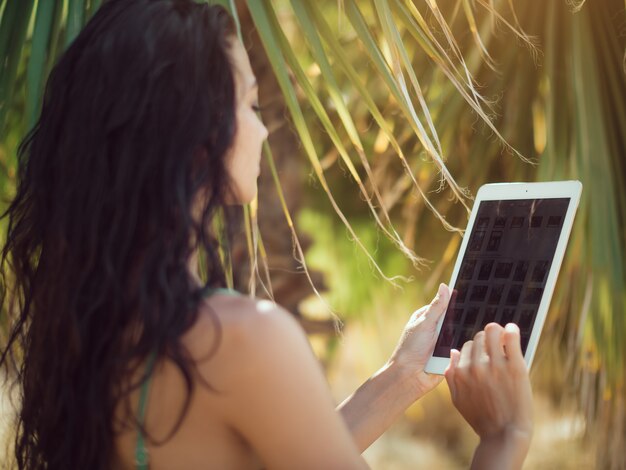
{"x": 512, "y": 327}
{"x": 442, "y": 290}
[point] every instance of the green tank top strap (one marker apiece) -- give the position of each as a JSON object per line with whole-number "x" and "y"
{"x": 141, "y": 453}
{"x": 220, "y": 290}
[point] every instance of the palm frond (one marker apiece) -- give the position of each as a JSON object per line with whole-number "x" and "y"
{"x": 259, "y": 11}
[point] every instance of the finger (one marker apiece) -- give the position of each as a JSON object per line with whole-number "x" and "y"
{"x": 493, "y": 343}
{"x": 454, "y": 362}
{"x": 451, "y": 370}
{"x": 420, "y": 312}
{"x": 439, "y": 304}
{"x": 478, "y": 348}
{"x": 466, "y": 354}
{"x": 512, "y": 344}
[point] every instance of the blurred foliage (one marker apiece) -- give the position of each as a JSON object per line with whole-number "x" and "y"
{"x": 403, "y": 110}
{"x": 555, "y": 90}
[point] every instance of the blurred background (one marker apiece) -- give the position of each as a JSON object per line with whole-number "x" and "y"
{"x": 385, "y": 118}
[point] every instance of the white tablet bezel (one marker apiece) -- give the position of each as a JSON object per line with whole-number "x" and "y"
{"x": 512, "y": 191}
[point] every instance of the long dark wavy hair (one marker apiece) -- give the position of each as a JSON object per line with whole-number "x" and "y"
{"x": 137, "y": 119}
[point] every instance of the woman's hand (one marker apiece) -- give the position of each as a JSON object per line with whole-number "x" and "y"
{"x": 417, "y": 343}
{"x": 489, "y": 385}
{"x": 386, "y": 395}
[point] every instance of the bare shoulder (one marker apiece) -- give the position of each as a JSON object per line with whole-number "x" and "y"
{"x": 265, "y": 372}
{"x": 242, "y": 331}
{"x": 248, "y": 319}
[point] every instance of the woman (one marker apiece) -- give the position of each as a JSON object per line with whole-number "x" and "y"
{"x": 126, "y": 358}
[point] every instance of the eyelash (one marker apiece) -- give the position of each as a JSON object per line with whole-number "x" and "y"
{"x": 256, "y": 108}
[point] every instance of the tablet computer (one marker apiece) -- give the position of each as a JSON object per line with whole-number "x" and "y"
{"x": 508, "y": 263}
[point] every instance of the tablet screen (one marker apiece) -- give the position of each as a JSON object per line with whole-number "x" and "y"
{"x": 504, "y": 270}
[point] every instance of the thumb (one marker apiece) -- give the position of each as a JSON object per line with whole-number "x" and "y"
{"x": 432, "y": 380}
{"x": 439, "y": 304}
